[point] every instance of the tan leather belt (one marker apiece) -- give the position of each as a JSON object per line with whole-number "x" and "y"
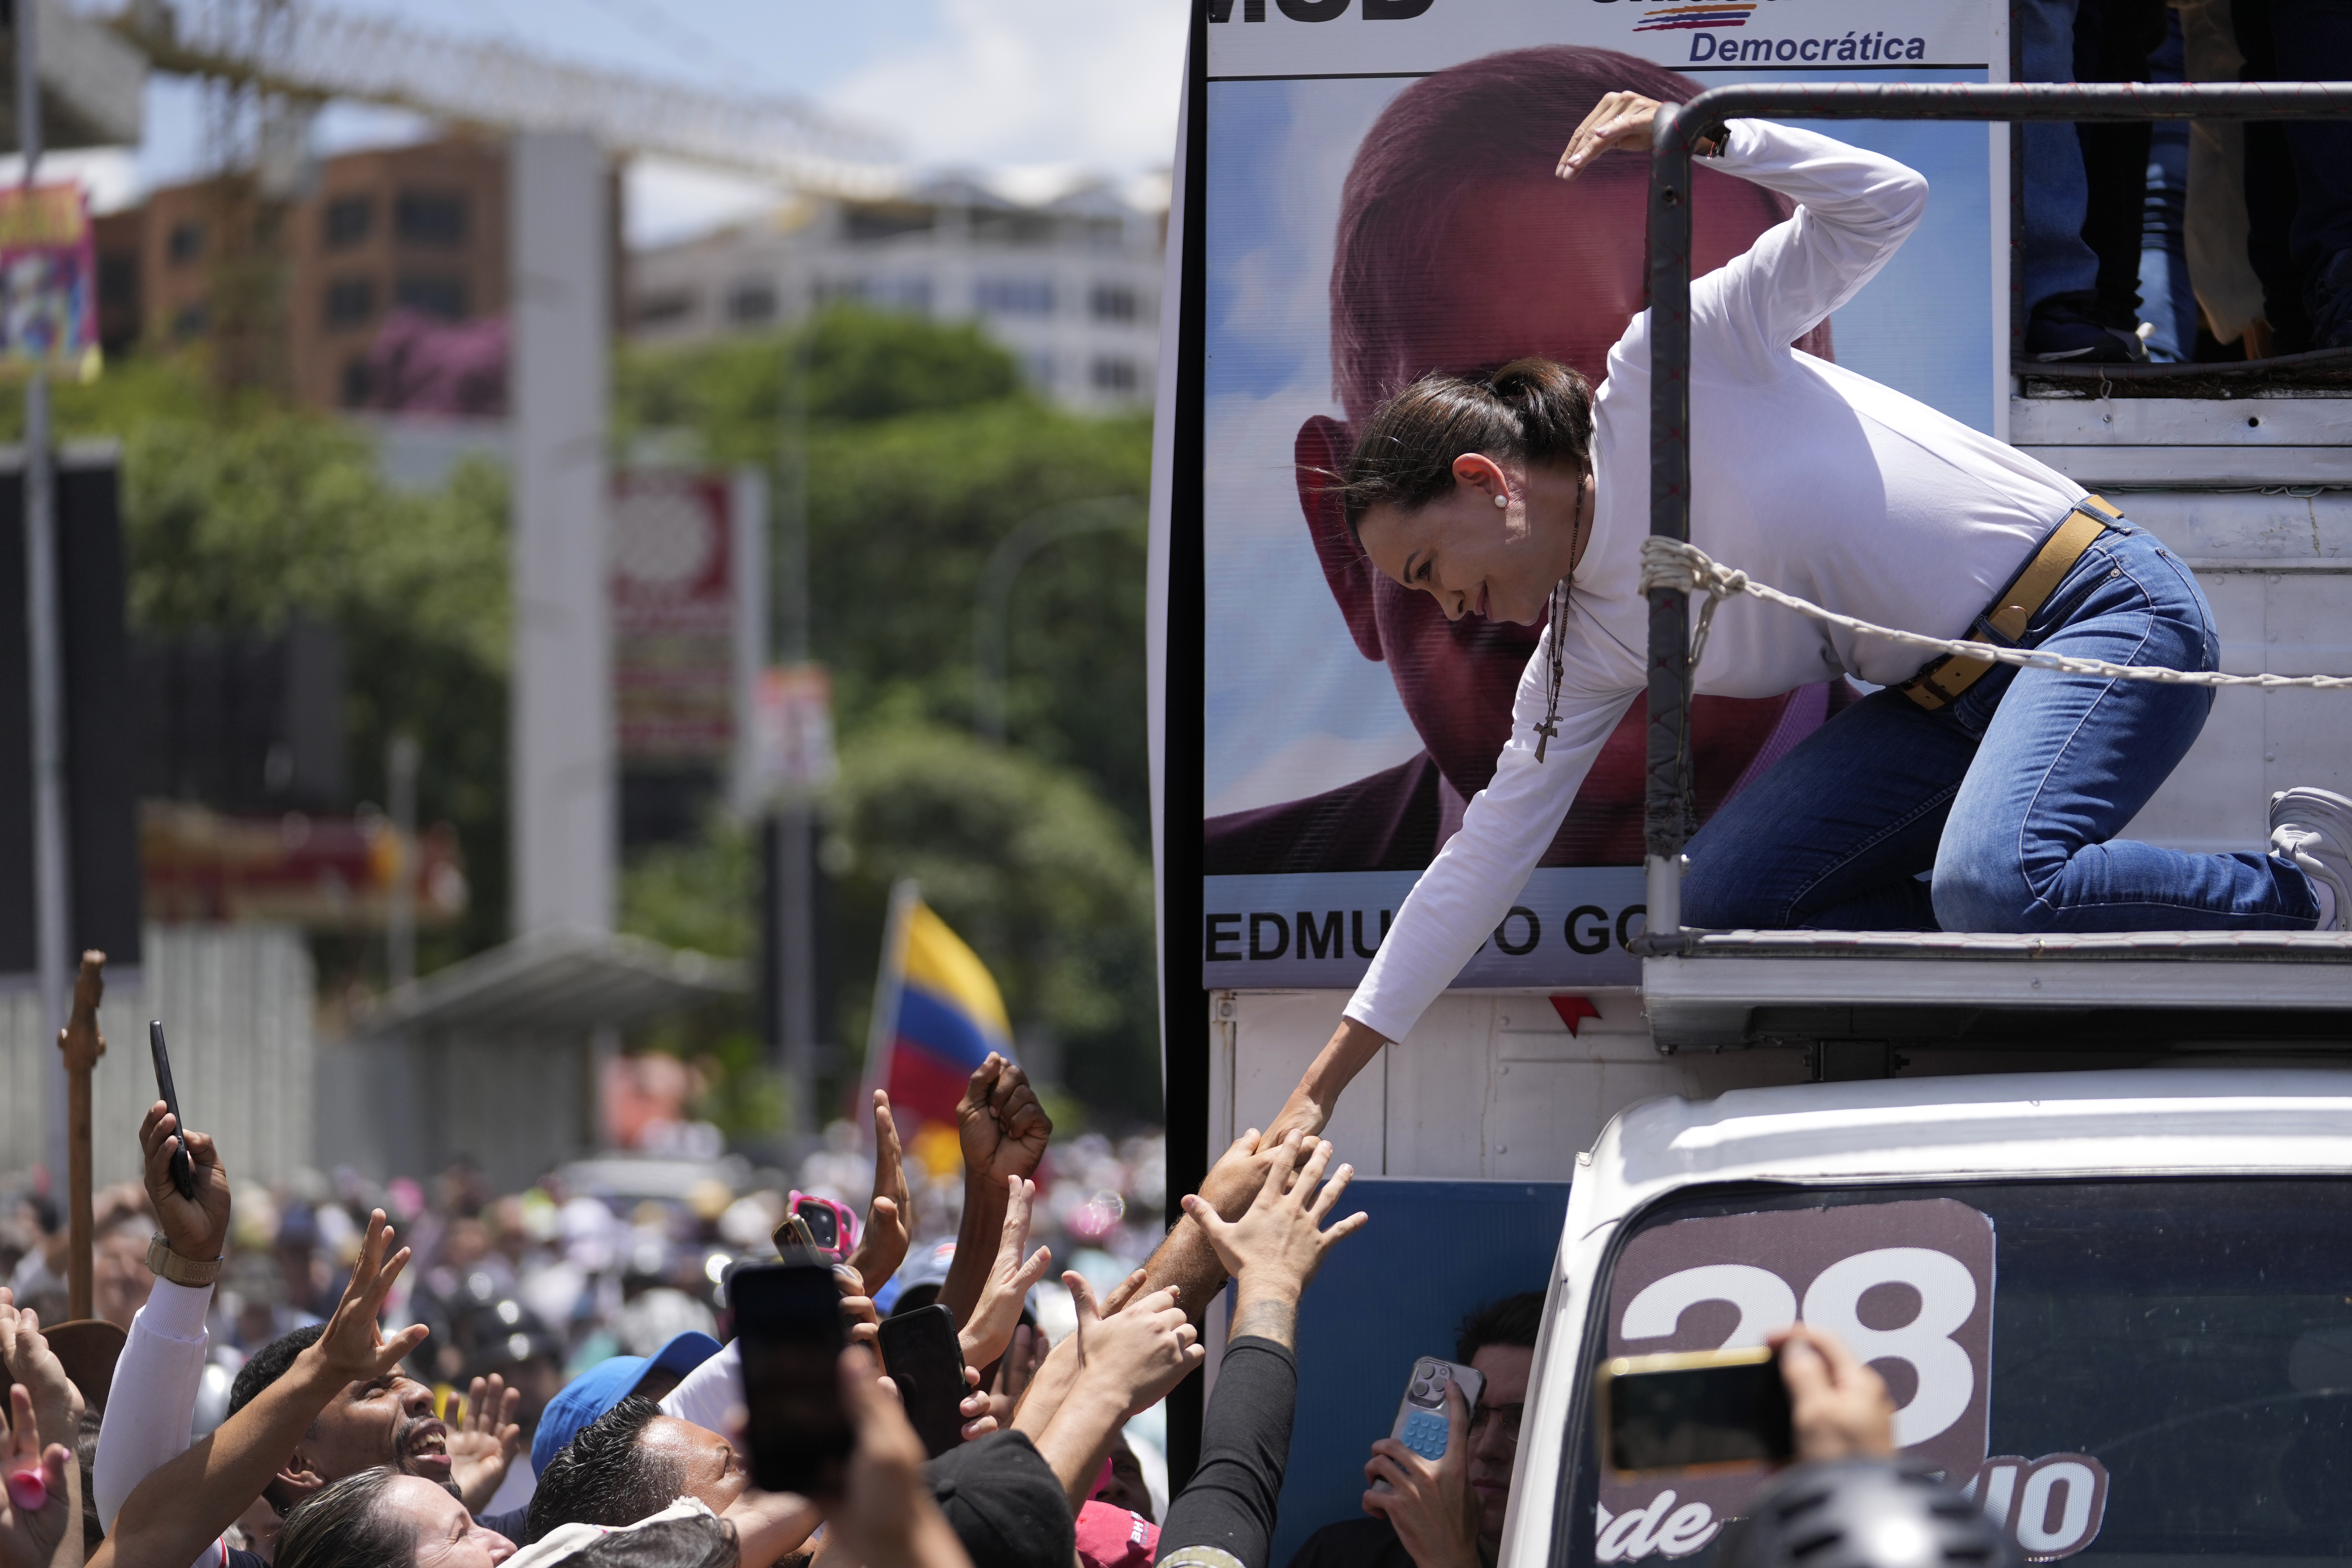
{"x": 1941, "y": 681}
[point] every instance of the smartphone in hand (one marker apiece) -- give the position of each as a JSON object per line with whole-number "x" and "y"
{"x": 1695, "y": 1411}
{"x": 788, "y": 1317}
{"x": 1421, "y": 1419}
{"x": 183, "y": 1170}
{"x": 925, "y": 1359}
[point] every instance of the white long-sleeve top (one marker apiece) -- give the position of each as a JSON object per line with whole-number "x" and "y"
{"x": 1805, "y": 476}
{"x": 151, "y": 1405}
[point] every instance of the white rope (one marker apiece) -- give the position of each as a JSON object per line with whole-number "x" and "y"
{"x": 1672, "y": 563}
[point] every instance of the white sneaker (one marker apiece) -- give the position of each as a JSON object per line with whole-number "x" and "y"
{"x": 2313, "y": 828}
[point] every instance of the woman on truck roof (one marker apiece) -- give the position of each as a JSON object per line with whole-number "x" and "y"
{"x": 1961, "y": 796}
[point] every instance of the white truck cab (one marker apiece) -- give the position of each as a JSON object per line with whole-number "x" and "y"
{"x": 2115, "y": 1305}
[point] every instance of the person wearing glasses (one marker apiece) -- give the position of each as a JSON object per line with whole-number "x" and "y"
{"x": 1446, "y": 1513}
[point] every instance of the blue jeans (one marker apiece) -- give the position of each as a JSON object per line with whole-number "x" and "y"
{"x": 2009, "y": 796}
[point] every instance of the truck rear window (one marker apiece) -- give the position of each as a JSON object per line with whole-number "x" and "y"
{"x": 2134, "y": 1372}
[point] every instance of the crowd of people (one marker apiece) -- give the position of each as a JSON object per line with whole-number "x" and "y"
{"x": 333, "y": 1449}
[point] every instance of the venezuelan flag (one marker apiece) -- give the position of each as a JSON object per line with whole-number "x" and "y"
{"x": 938, "y": 1014}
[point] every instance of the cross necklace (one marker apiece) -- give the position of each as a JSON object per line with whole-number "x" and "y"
{"x": 1550, "y": 729}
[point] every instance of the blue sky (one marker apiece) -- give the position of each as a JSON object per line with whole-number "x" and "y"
{"x": 1035, "y": 86}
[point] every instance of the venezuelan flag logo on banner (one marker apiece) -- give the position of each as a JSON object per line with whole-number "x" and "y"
{"x": 937, "y": 1015}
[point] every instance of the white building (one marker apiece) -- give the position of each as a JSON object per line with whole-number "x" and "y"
{"x": 1070, "y": 286}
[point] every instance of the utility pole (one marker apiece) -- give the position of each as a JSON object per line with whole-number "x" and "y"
{"x": 52, "y": 889}
{"x": 792, "y": 827}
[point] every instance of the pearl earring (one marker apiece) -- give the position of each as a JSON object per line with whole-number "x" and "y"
{"x": 1502, "y": 500}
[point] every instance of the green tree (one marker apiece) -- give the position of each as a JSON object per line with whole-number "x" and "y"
{"x": 238, "y": 516}
{"x": 1031, "y": 868}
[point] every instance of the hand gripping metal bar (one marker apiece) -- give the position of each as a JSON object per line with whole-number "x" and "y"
{"x": 1666, "y": 794}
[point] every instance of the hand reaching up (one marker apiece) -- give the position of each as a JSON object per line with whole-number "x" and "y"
{"x": 35, "y": 1537}
{"x": 197, "y": 1228}
{"x": 990, "y": 1327}
{"x": 353, "y": 1349}
{"x": 1000, "y": 1123}
{"x": 484, "y": 1440}
{"x": 1839, "y": 1407}
{"x": 27, "y": 1360}
{"x": 1279, "y": 1242}
{"x": 882, "y": 1247}
{"x": 1139, "y": 1352}
{"x": 885, "y": 1513}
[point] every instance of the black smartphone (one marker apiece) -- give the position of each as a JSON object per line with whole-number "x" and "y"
{"x": 795, "y": 1243}
{"x": 183, "y": 1170}
{"x": 925, "y": 1359}
{"x": 1695, "y": 1411}
{"x": 823, "y": 1225}
{"x": 788, "y": 1317}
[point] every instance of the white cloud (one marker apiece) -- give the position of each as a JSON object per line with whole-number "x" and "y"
{"x": 1068, "y": 82}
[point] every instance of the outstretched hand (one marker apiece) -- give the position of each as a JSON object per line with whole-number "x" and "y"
{"x": 1621, "y": 120}
{"x": 353, "y": 1349}
{"x": 990, "y": 1327}
{"x": 1279, "y": 1241}
{"x": 484, "y": 1440}
{"x": 1139, "y": 1352}
{"x": 882, "y": 1246}
{"x": 1000, "y": 1125}
{"x": 197, "y": 1228}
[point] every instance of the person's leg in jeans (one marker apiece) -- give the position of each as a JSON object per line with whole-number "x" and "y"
{"x": 2066, "y": 760}
{"x": 1836, "y": 835}
{"x": 2317, "y": 36}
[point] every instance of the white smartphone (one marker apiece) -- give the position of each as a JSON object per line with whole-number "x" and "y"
{"x": 1421, "y": 1414}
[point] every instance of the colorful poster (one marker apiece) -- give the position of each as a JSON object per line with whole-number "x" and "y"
{"x": 48, "y": 271}
{"x": 1380, "y": 203}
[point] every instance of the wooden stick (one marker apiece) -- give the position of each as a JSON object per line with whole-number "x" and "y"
{"x": 82, "y": 1045}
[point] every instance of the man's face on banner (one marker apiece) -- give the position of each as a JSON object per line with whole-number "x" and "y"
{"x": 1541, "y": 267}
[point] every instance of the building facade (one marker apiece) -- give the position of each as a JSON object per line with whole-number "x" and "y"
{"x": 1071, "y": 287}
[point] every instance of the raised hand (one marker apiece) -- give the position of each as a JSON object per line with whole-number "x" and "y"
{"x": 857, "y": 1313}
{"x": 990, "y": 1329}
{"x": 28, "y": 1361}
{"x": 1280, "y": 1236}
{"x": 353, "y": 1349}
{"x": 35, "y": 1537}
{"x": 1003, "y": 1128}
{"x": 1621, "y": 120}
{"x": 1140, "y": 1351}
{"x": 1839, "y": 1407}
{"x": 885, "y": 1512}
{"x": 484, "y": 1440}
{"x": 882, "y": 1247}
{"x": 1435, "y": 1511}
{"x": 196, "y": 1228}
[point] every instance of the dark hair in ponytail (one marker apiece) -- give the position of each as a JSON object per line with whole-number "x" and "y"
{"x": 1535, "y": 410}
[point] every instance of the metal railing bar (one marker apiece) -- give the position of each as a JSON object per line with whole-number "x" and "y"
{"x": 1666, "y": 824}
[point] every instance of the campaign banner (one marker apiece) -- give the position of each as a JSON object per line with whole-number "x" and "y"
{"x": 1380, "y": 202}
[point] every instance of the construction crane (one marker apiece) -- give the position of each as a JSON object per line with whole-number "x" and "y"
{"x": 322, "y": 53}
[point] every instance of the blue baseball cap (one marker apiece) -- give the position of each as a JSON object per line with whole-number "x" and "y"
{"x": 605, "y": 1384}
